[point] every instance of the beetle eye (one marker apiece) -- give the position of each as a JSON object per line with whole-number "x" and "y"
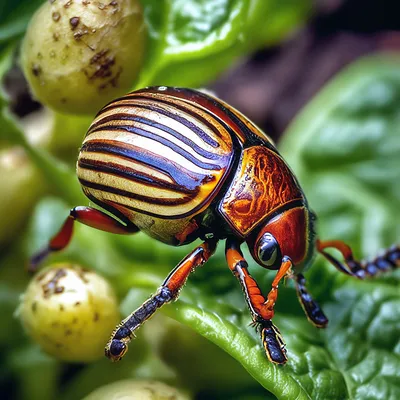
{"x": 269, "y": 252}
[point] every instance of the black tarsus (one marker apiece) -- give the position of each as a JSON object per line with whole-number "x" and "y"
{"x": 311, "y": 308}
{"x": 272, "y": 341}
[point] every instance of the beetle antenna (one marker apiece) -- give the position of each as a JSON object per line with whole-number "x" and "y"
{"x": 390, "y": 259}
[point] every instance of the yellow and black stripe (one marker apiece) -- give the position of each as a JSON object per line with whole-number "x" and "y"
{"x": 155, "y": 154}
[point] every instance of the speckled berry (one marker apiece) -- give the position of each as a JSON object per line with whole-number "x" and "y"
{"x": 79, "y": 55}
{"x": 70, "y": 312}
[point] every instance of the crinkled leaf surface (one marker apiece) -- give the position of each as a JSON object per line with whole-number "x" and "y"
{"x": 345, "y": 149}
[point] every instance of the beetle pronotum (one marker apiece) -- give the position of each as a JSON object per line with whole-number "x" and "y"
{"x": 180, "y": 165}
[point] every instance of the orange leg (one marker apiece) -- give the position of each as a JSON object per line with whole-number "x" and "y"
{"x": 85, "y": 215}
{"x": 359, "y": 269}
{"x": 262, "y": 310}
{"x": 168, "y": 291}
{"x": 284, "y": 270}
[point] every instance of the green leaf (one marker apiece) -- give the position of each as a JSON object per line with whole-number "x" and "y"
{"x": 271, "y": 20}
{"x": 363, "y": 339}
{"x": 15, "y": 16}
{"x": 192, "y": 41}
{"x": 230, "y": 332}
{"x": 184, "y": 33}
{"x": 5, "y": 62}
{"x": 345, "y": 150}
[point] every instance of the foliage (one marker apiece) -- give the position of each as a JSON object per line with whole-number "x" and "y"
{"x": 343, "y": 147}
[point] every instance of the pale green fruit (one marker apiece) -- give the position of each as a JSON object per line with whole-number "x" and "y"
{"x": 70, "y": 312}
{"x": 135, "y": 390}
{"x": 21, "y": 185}
{"x": 78, "y": 55}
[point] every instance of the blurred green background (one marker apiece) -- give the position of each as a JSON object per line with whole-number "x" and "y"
{"x": 272, "y": 60}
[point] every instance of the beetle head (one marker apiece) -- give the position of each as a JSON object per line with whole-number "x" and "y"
{"x": 286, "y": 234}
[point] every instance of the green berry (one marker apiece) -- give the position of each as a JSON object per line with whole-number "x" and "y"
{"x": 78, "y": 55}
{"x": 133, "y": 390}
{"x": 21, "y": 185}
{"x": 70, "y": 312}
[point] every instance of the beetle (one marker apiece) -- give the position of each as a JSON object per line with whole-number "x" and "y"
{"x": 180, "y": 165}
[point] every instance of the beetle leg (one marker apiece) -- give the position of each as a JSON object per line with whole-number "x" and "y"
{"x": 85, "y": 215}
{"x": 360, "y": 269}
{"x": 260, "y": 312}
{"x": 312, "y": 310}
{"x": 273, "y": 293}
{"x": 117, "y": 346}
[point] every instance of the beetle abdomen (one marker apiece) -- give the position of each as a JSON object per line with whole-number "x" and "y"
{"x": 154, "y": 155}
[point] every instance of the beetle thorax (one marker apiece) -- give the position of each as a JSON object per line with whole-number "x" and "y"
{"x": 263, "y": 183}
{"x": 293, "y": 232}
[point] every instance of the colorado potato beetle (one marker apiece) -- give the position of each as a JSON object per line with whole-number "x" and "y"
{"x": 180, "y": 165}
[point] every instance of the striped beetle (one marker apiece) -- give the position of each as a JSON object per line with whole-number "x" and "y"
{"x": 179, "y": 165}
